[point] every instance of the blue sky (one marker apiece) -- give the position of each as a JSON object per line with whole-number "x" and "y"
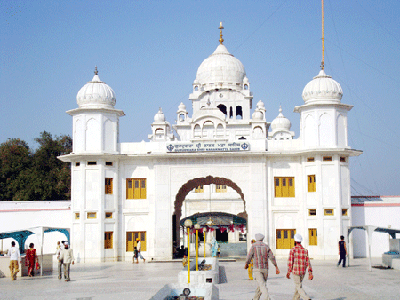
{"x": 149, "y": 52}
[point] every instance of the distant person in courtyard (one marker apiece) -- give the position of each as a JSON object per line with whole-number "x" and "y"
{"x": 342, "y": 251}
{"x": 139, "y": 248}
{"x": 297, "y": 264}
{"x": 219, "y": 250}
{"x": 31, "y": 259}
{"x": 67, "y": 257}
{"x": 214, "y": 247}
{"x": 260, "y": 253}
{"x": 184, "y": 260}
{"x": 13, "y": 252}
{"x": 60, "y": 247}
{"x": 135, "y": 255}
{"x": 250, "y": 269}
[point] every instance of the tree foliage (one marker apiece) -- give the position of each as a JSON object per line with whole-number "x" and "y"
{"x": 27, "y": 175}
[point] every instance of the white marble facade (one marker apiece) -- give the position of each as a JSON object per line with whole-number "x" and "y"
{"x": 225, "y": 141}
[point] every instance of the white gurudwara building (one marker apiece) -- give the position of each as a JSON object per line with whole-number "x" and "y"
{"x": 225, "y": 167}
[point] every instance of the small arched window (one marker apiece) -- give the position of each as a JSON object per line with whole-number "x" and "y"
{"x": 196, "y": 88}
{"x": 197, "y": 131}
{"x": 181, "y": 117}
{"x": 246, "y": 87}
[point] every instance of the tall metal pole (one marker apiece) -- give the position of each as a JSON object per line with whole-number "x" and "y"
{"x": 197, "y": 249}
{"x": 323, "y": 38}
{"x": 188, "y": 231}
{"x": 204, "y": 243}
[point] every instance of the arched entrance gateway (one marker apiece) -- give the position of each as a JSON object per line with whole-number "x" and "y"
{"x": 218, "y": 206}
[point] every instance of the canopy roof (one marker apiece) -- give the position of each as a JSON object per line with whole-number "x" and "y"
{"x": 22, "y": 235}
{"x": 369, "y": 230}
{"x": 391, "y": 231}
{"x": 217, "y": 218}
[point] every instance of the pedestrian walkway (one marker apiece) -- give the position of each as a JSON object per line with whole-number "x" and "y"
{"x": 123, "y": 280}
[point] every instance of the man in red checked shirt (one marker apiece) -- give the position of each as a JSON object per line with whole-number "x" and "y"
{"x": 297, "y": 264}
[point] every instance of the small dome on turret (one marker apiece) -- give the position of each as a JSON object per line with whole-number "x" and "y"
{"x": 159, "y": 117}
{"x": 280, "y": 122}
{"x": 322, "y": 89}
{"x": 260, "y": 105}
{"x": 181, "y": 107}
{"x": 96, "y": 94}
{"x": 257, "y": 115}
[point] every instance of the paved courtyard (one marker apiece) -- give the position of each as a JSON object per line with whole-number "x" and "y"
{"x": 124, "y": 280}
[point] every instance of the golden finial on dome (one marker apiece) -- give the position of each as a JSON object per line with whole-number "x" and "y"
{"x": 323, "y": 37}
{"x": 95, "y": 71}
{"x": 221, "y": 40}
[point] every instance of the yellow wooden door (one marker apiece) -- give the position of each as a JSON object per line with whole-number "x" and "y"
{"x": 290, "y": 187}
{"x": 129, "y": 241}
{"x": 285, "y": 187}
{"x": 292, "y": 233}
{"x": 143, "y": 189}
{"x": 279, "y": 239}
{"x": 278, "y": 187}
{"x": 129, "y": 189}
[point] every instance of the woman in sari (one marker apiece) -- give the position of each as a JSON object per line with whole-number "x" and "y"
{"x": 30, "y": 259}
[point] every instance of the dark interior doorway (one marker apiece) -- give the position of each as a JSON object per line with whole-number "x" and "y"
{"x": 221, "y": 236}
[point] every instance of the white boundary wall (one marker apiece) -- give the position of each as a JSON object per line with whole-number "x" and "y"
{"x": 17, "y": 215}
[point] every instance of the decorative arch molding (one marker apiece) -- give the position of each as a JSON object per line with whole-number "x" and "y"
{"x": 191, "y": 184}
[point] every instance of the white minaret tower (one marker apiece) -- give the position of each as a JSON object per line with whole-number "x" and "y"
{"x": 94, "y": 173}
{"x": 323, "y": 119}
{"x": 325, "y": 161}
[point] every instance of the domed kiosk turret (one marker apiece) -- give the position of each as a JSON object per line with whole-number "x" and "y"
{"x": 161, "y": 128}
{"x": 95, "y": 121}
{"x": 322, "y": 89}
{"x": 323, "y": 116}
{"x": 281, "y": 127}
{"x": 96, "y": 94}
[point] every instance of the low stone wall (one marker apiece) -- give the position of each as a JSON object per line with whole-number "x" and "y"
{"x": 47, "y": 265}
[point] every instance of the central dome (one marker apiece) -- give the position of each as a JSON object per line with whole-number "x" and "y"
{"x": 220, "y": 68}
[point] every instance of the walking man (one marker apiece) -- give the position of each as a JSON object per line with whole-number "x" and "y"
{"x": 14, "y": 260}
{"x": 138, "y": 247}
{"x": 342, "y": 251}
{"x": 60, "y": 247}
{"x": 260, "y": 253}
{"x": 297, "y": 264}
{"x": 67, "y": 257}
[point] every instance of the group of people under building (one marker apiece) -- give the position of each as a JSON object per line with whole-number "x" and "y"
{"x": 298, "y": 263}
{"x": 256, "y": 262}
{"x": 65, "y": 257}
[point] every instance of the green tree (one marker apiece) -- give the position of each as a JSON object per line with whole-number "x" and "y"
{"x": 27, "y": 176}
{"x": 52, "y": 180}
{"x": 15, "y": 157}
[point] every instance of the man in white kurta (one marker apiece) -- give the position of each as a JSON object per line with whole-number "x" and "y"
{"x": 67, "y": 257}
